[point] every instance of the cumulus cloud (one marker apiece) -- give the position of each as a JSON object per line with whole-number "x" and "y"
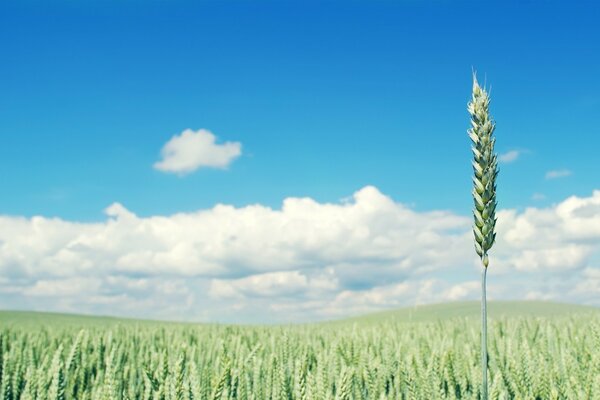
{"x": 558, "y": 173}
{"x": 274, "y": 284}
{"x": 305, "y": 260}
{"x": 192, "y": 150}
{"x": 410, "y": 292}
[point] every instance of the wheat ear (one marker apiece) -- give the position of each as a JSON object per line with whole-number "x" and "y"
{"x": 485, "y": 167}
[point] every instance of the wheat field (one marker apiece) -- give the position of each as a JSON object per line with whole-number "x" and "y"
{"x": 383, "y": 356}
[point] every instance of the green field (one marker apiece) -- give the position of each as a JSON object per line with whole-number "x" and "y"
{"x": 537, "y": 351}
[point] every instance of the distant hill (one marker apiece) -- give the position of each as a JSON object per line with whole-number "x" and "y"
{"x": 51, "y": 318}
{"x": 425, "y": 313}
{"x": 472, "y": 309}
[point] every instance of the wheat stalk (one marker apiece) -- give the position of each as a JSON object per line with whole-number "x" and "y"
{"x": 485, "y": 167}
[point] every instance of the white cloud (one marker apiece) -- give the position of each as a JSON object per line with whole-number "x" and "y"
{"x": 192, "y": 150}
{"x": 305, "y": 260}
{"x": 225, "y": 241}
{"x": 510, "y": 156}
{"x": 558, "y": 173}
{"x": 73, "y": 286}
{"x": 538, "y": 197}
{"x": 273, "y": 284}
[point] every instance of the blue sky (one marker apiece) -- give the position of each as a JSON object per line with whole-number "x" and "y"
{"x": 324, "y": 98}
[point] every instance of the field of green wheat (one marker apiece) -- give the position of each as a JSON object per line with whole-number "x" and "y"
{"x": 537, "y": 351}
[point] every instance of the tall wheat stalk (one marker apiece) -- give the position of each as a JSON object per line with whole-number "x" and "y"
{"x": 485, "y": 167}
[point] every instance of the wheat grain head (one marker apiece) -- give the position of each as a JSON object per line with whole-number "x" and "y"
{"x": 485, "y": 167}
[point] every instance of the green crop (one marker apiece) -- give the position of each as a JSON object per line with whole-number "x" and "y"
{"x": 530, "y": 358}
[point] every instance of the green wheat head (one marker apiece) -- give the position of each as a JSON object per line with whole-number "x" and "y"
{"x": 485, "y": 166}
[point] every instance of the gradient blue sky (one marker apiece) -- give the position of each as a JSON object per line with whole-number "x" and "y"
{"x": 325, "y": 97}
{"x": 358, "y": 105}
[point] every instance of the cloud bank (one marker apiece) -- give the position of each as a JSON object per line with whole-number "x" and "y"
{"x": 304, "y": 261}
{"x": 192, "y": 150}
